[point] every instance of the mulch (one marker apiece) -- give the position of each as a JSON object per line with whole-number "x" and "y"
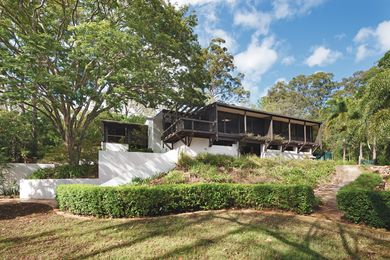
{"x": 14, "y": 208}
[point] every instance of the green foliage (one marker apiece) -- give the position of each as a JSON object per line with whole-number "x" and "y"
{"x": 225, "y": 84}
{"x": 65, "y": 172}
{"x": 222, "y": 168}
{"x": 362, "y": 203}
{"x": 15, "y": 135}
{"x": 134, "y": 201}
{"x": 303, "y": 96}
{"x": 174, "y": 177}
{"x": 74, "y": 60}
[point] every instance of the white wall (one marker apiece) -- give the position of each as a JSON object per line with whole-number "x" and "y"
{"x": 45, "y": 188}
{"x": 201, "y": 145}
{"x": 117, "y": 168}
{"x": 286, "y": 154}
{"x": 115, "y": 147}
{"x": 17, "y": 171}
{"x": 154, "y": 134}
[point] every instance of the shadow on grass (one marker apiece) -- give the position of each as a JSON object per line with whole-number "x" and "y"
{"x": 170, "y": 228}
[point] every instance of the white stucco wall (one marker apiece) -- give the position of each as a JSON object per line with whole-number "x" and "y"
{"x": 286, "y": 154}
{"x": 116, "y": 168}
{"x": 45, "y": 188}
{"x": 17, "y": 171}
{"x": 201, "y": 145}
{"x": 155, "y": 130}
{"x": 115, "y": 147}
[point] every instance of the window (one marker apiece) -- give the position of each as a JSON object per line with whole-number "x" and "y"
{"x": 230, "y": 123}
{"x": 297, "y": 132}
{"x": 280, "y": 128}
{"x": 116, "y": 134}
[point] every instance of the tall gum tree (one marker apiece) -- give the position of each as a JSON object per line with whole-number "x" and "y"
{"x": 74, "y": 59}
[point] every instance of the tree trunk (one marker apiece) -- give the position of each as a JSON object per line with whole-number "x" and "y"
{"x": 72, "y": 149}
{"x": 344, "y": 152}
{"x": 360, "y": 153}
{"x": 34, "y": 144}
{"x": 374, "y": 151}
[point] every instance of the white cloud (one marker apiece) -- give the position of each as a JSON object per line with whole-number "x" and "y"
{"x": 288, "y": 60}
{"x": 256, "y": 20}
{"x": 230, "y": 43}
{"x": 257, "y": 59}
{"x": 288, "y": 8}
{"x": 362, "y": 52}
{"x": 363, "y": 34}
{"x": 383, "y": 35}
{"x": 322, "y": 56}
{"x": 371, "y": 41}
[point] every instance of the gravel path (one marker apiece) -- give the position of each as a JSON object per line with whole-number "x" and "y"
{"x": 327, "y": 192}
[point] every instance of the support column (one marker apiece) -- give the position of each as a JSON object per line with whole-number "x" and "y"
{"x": 271, "y": 129}
{"x": 289, "y": 130}
{"x": 245, "y": 127}
{"x": 304, "y": 131}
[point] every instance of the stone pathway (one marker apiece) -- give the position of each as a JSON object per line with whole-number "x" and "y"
{"x": 327, "y": 192}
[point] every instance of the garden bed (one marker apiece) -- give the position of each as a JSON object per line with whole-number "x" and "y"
{"x": 208, "y": 168}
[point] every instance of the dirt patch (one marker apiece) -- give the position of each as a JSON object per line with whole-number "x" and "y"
{"x": 327, "y": 192}
{"x": 14, "y": 208}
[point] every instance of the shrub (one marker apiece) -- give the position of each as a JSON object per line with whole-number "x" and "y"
{"x": 174, "y": 177}
{"x": 143, "y": 200}
{"x": 362, "y": 203}
{"x": 65, "y": 172}
{"x": 252, "y": 169}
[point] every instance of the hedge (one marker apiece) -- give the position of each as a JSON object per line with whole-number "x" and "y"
{"x": 142, "y": 200}
{"x": 360, "y": 202}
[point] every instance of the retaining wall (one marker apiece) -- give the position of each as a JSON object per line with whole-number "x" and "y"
{"x": 17, "y": 171}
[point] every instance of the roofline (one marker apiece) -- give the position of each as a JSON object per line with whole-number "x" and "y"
{"x": 255, "y": 111}
{"x": 267, "y": 113}
{"x": 119, "y": 122}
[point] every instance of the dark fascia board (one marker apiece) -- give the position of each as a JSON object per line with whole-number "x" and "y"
{"x": 266, "y": 113}
{"x": 121, "y": 123}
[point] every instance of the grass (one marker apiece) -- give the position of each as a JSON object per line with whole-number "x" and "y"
{"x": 203, "y": 235}
{"x": 246, "y": 169}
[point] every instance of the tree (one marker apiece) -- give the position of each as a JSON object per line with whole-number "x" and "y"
{"x": 376, "y": 103}
{"x": 302, "y": 96}
{"x": 225, "y": 84}
{"x": 73, "y": 60}
{"x": 338, "y": 119}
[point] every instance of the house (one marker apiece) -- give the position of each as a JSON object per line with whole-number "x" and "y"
{"x": 218, "y": 128}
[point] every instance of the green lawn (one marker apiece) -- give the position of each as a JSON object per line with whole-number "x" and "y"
{"x": 216, "y": 234}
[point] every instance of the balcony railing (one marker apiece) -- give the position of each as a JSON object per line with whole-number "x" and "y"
{"x": 189, "y": 125}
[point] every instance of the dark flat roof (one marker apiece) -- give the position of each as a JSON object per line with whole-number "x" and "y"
{"x": 254, "y": 111}
{"x": 266, "y": 113}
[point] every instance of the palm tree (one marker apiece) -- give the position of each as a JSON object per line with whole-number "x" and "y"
{"x": 339, "y": 117}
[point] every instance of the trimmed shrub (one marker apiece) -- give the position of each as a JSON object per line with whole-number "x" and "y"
{"x": 143, "y": 200}
{"x": 362, "y": 203}
{"x": 65, "y": 172}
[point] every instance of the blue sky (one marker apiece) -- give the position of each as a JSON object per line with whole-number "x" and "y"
{"x": 278, "y": 39}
